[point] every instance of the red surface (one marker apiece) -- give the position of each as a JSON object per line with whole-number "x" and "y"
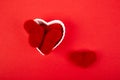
{"x": 92, "y": 25}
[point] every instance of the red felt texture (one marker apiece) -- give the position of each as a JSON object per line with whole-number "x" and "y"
{"x": 51, "y": 38}
{"x": 43, "y": 36}
{"x": 36, "y": 33}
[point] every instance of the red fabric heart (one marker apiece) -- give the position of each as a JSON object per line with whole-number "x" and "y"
{"x": 35, "y": 32}
{"x": 43, "y": 36}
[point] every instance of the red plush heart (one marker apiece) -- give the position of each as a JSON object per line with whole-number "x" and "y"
{"x": 45, "y": 36}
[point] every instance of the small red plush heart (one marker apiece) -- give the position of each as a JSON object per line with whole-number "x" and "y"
{"x": 45, "y": 36}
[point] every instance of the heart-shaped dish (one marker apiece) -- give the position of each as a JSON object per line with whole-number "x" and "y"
{"x": 50, "y": 24}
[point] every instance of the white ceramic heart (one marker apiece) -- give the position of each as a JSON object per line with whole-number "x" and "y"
{"x": 39, "y": 21}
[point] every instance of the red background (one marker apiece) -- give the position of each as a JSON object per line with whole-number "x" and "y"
{"x": 90, "y": 24}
